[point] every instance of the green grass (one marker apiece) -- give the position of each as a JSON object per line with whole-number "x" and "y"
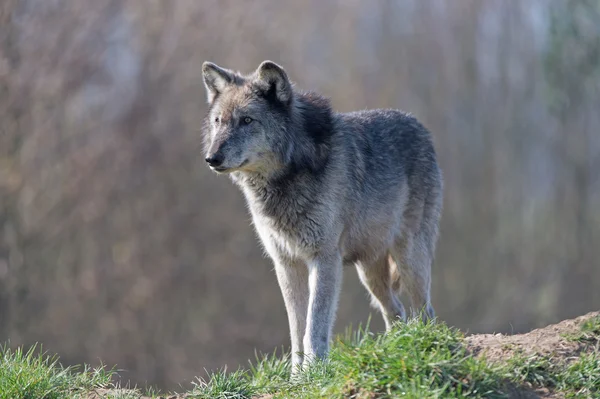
{"x": 577, "y": 379}
{"x": 34, "y": 375}
{"x": 415, "y": 360}
{"x": 589, "y": 331}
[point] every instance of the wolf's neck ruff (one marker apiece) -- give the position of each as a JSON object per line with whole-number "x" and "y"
{"x": 309, "y": 131}
{"x": 285, "y": 197}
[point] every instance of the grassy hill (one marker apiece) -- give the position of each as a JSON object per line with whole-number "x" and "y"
{"x": 415, "y": 360}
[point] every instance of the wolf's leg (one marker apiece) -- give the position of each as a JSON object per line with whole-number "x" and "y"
{"x": 412, "y": 256}
{"x": 293, "y": 282}
{"x": 375, "y": 276}
{"x": 325, "y": 280}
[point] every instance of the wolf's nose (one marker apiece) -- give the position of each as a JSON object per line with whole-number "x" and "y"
{"x": 215, "y": 160}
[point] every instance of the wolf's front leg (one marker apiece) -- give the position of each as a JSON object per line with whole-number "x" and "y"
{"x": 324, "y": 282}
{"x": 293, "y": 281}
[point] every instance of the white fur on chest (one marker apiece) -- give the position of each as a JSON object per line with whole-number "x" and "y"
{"x": 277, "y": 242}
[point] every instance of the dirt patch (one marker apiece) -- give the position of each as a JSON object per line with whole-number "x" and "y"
{"x": 549, "y": 341}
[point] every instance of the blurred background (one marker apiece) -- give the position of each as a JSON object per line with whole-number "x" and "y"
{"x": 118, "y": 244}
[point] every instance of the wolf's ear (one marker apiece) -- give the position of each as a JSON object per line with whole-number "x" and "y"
{"x": 271, "y": 78}
{"x": 216, "y": 79}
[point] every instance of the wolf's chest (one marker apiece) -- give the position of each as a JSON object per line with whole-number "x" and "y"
{"x": 286, "y": 223}
{"x": 293, "y": 235}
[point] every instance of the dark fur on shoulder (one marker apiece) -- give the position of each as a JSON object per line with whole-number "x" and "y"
{"x": 315, "y": 131}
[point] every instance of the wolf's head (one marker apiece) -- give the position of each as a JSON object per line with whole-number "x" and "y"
{"x": 259, "y": 123}
{"x": 248, "y": 118}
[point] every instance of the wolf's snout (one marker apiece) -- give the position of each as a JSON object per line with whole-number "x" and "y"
{"x": 215, "y": 160}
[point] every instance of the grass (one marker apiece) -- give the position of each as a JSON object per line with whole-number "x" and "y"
{"x": 35, "y": 375}
{"x": 577, "y": 379}
{"x": 415, "y": 360}
{"x": 589, "y": 331}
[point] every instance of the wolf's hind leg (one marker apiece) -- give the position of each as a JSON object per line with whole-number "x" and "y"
{"x": 413, "y": 259}
{"x": 375, "y": 276}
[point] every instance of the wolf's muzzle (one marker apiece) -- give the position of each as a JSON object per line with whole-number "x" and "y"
{"x": 215, "y": 160}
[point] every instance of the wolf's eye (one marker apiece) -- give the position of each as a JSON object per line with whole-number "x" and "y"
{"x": 217, "y": 119}
{"x": 247, "y": 120}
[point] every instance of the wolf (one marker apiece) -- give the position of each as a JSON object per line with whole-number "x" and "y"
{"x": 327, "y": 190}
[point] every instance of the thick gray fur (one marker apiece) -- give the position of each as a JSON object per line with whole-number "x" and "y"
{"x": 327, "y": 190}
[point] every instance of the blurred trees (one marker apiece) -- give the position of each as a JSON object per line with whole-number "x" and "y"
{"x": 117, "y": 243}
{"x": 573, "y": 77}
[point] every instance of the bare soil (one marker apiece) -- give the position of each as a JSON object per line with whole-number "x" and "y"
{"x": 551, "y": 341}
{"x": 547, "y": 341}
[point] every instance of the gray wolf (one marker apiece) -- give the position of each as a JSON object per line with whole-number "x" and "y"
{"x": 325, "y": 190}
